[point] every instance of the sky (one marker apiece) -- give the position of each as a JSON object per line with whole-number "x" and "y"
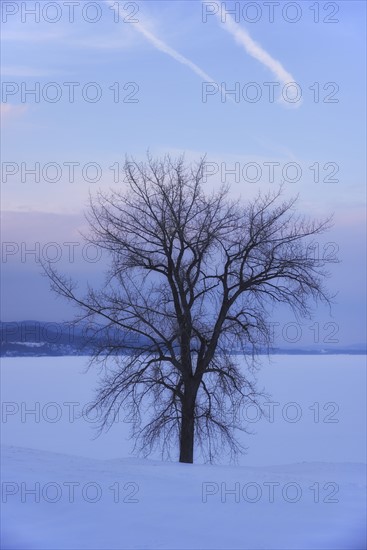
{"x": 269, "y": 92}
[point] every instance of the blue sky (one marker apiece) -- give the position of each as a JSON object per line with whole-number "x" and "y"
{"x": 163, "y": 59}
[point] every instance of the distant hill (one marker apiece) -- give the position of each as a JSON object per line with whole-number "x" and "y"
{"x": 36, "y": 339}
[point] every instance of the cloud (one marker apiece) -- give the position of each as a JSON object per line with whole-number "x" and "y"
{"x": 71, "y": 40}
{"x": 37, "y": 36}
{"x": 9, "y": 110}
{"x": 22, "y": 71}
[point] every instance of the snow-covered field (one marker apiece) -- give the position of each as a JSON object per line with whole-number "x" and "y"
{"x": 301, "y": 485}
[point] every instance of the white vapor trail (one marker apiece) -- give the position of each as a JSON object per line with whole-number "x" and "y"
{"x": 165, "y": 48}
{"x": 243, "y": 38}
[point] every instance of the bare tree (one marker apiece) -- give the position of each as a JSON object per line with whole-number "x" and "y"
{"x": 193, "y": 276}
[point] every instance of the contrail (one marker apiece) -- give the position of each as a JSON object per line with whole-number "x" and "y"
{"x": 165, "y": 48}
{"x": 243, "y": 38}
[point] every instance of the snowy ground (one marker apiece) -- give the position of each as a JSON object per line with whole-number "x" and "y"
{"x": 301, "y": 485}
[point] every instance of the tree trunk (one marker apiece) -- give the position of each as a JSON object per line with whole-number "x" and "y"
{"x": 187, "y": 427}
